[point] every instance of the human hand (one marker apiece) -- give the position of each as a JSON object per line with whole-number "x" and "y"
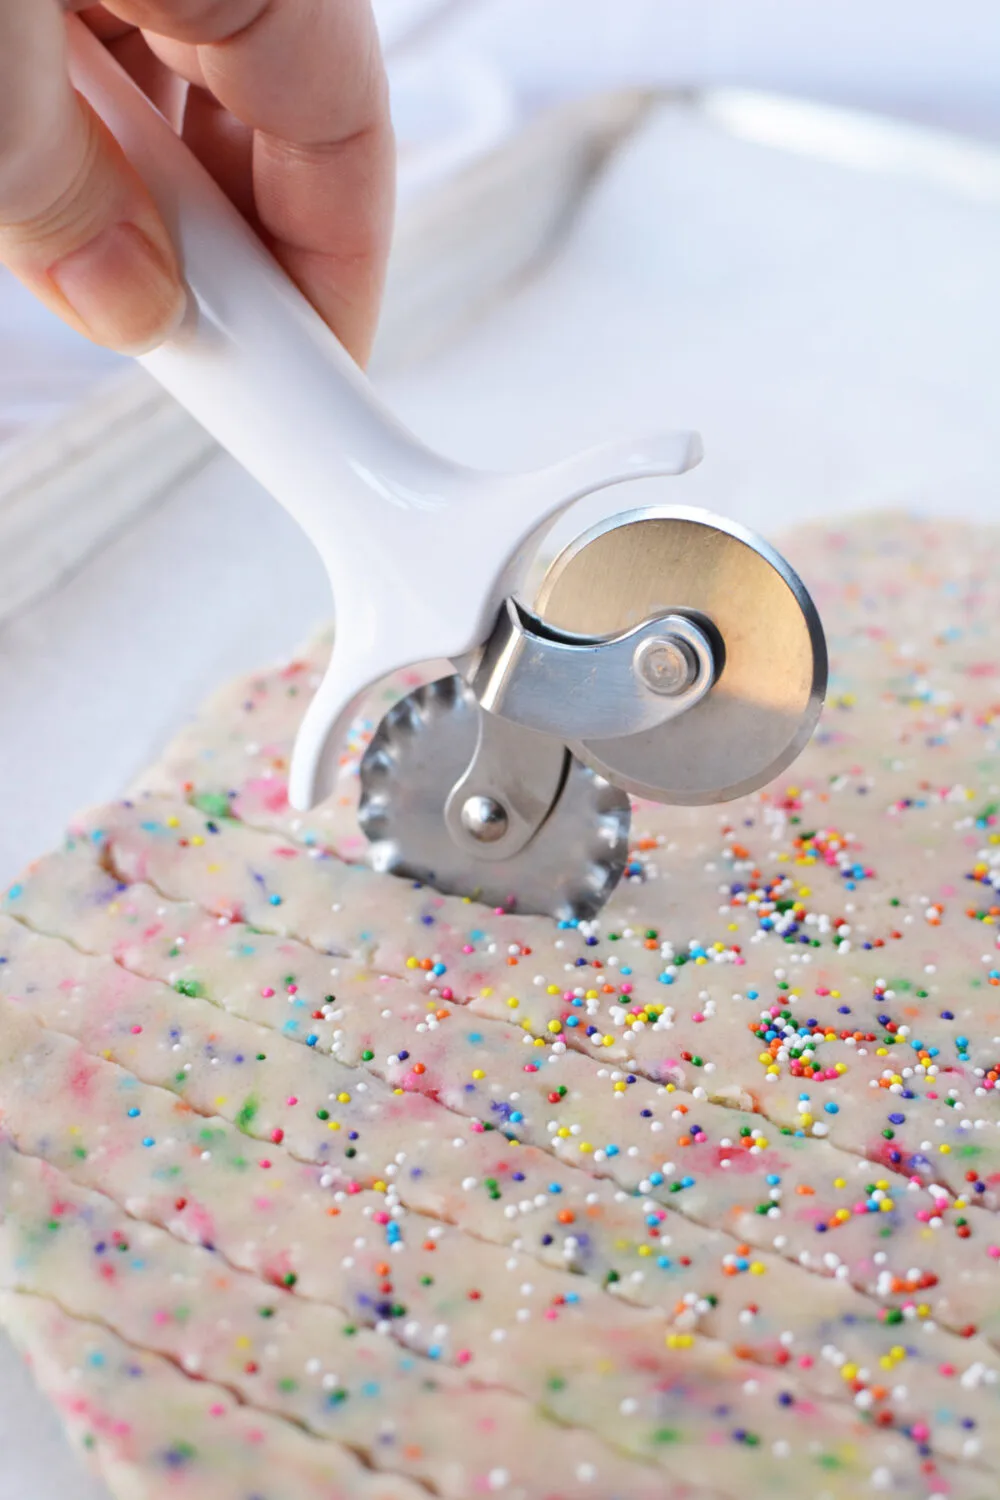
{"x": 284, "y": 101}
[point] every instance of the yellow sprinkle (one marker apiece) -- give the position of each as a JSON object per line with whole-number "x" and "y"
{"x": 411, "y": 962}
{"x": 945, "y": 1150}
{"x": 173, "y": 821}
{"x": 679, "y": 1340}
{"x": 881, "y": 1052}
{"x": 898, "y": 1352}
{"x": 586, "y": 1147}
{"x": 804, "y": 891}
{"x": 513, "y": 1003}
{"x": 552, "y": 989}
{"x": 645, "y": 1249}
{"x": 555, "y": 1026}
{"x": 114, "y": 908}
{"x": 591, "y": 995}
{"x": 609, "y": 1041}
{"x": 220, "y": 1101}
{"x": 848, "y": 1371}
{"x": 196, "y": 838}
{"x": 487, "y": 992}
{"x": 335, "y": 1124}
{"x": 764, "y": 1057}
{"x": 539, "y": 1041}
{"x": 478, "y": 1073}
{"x": 886, "y": 1206}
{"x": 620, "y": 1086}
{"x": 841, "y": 1067}
{"x": 379, "y": 1186}
{"x": 242, "y": 1342}
{"x": 343, "y": 1098}
{"x": 757, "y": 1268}
{"x": 563, "y": 1131}
{"x": 840, "y": 1182}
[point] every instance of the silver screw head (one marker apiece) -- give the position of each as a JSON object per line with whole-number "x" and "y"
{"x": 666, "y": 664}
{"x": 484, "y": 818}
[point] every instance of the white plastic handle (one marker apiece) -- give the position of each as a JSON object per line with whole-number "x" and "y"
{"x": 420, "y": 551}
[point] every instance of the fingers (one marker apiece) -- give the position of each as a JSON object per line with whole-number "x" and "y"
{"x": 76, "y": 224}
{"x": 307, "y": 77}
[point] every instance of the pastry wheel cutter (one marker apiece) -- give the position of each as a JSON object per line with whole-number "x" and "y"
{"x": 666, "y": 653}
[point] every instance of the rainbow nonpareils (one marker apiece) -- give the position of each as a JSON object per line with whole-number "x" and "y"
{"x": 697, "y": 1200}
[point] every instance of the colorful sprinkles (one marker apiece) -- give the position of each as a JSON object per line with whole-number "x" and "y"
{"x": 699, "y": 1198}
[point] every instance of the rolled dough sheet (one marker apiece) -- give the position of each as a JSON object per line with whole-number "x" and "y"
{"x": 707, "y": 1188}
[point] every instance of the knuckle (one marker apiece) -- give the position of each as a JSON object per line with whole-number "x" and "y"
{"x": 59, "y": 197}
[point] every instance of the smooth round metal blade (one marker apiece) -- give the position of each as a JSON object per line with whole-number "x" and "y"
{"x": 771, "y": 678}
{"x": 419, "y": 751}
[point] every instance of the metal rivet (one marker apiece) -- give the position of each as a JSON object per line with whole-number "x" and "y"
{"x": 484, "y": 818}
{"x": 666, "y": 664}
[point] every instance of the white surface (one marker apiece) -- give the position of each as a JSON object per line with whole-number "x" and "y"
{"x": 832, "y": 331}
{"x": 919, "y": 58}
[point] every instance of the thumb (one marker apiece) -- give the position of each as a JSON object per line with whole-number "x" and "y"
{"x": 77, "y": 225}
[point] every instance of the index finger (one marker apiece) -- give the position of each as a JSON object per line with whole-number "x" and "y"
{"x": 307, "y": 77}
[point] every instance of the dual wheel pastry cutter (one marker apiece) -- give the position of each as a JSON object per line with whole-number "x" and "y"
{"x": 667, "y": 653}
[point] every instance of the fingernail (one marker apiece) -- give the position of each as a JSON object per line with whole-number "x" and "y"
{"x": 123, "y": 289}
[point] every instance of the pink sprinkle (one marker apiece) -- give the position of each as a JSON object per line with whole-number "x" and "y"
{"x": 293, "y": 989}
{"x": 353, "y": 1187}
{"x": 381, "y": 1217}
{"x": 160, "y": 1317}
{"x": 265, "y": 1163}
{"x": 447, "y": 994}
{"x": 806, "y": 1361}
{"x": 478, "y": 1126}
{"x": 698, "y": 1016}
{"x": 216, "y": 1409}
{"x": 267, "y": 992}
{"x": 993, "y": 1251}
{"x": 551, "y": 1314}
{"x": 468, "y": 948}
{"x": 136, "y": 1030}
{"x": 626, "y": 988}
{"x": 463, "y": 1356}
{"x": 946, "y": 1370}
{"x": 277, "y": 1135}
{"x": 292, "y": 1099}
{"x": 920, "y": 1432}
{"x": 530, "y": 1068}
